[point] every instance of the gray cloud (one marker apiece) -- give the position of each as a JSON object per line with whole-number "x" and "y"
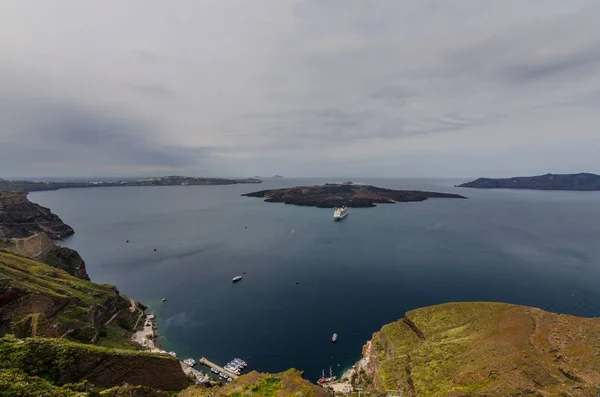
{"x": 584, "y": 61}
{"x": 153, "y": 90}
{"x": 203, "y": 88}
{"x": 68, "y": 135}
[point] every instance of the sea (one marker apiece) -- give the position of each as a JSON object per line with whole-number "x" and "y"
{"x": 306, "y": 276}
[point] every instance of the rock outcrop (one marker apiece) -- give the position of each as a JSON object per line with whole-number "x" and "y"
{"x": 20, "y": 218}
{"x": 484, "y": 349}
{"x": 334, "y": 195}
{"x": 583, "y": 181}
{"x": 66, "y": 259}
{"x": 29, "y": 229}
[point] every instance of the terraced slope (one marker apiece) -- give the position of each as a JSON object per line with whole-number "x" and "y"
{"x": 40, "y": 300}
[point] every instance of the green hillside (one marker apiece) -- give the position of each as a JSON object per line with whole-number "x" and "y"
{"x": 40, "y": 300}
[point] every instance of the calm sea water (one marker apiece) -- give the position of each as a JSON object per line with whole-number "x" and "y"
{"x": 527, "y": 247}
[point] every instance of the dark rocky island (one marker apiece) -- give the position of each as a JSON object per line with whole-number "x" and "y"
{"x": 32, "y": 186}
{"x": 583, "y": 181}
{"x": 335, "y": 195}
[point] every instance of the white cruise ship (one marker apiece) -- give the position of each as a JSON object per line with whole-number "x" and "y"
{"x": 340, "y": 213}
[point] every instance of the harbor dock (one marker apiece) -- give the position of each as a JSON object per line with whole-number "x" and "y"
{"x": 208, "y": 363}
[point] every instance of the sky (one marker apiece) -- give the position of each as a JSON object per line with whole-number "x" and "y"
{"x": 386, "y": 88}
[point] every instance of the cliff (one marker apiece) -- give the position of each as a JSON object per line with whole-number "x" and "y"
{"x": 255, "y": 384}
{"x": 66, "y": 259}
{"x": 20, "y": 218}
{"x": 484, "y": 349}
{"x": 581, "y": 181}
{"x": 60, "y": 362}
{"x": 334, "y": 195}
{"x": 29, "y": 229}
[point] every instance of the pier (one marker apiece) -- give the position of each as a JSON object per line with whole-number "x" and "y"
{"x": 208, "y": 363}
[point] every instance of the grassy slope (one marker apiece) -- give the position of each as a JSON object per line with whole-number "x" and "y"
{"x": 488, "y": 349}
{"x": 44, "y": 301}
{"x": 254, "y": 384}
{"x": 61, "y": 362}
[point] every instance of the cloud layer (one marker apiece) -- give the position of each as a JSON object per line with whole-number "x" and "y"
{"x": 302, "y": 87}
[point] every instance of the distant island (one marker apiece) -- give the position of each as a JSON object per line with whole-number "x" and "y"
{"x": 31, "y": 186}
{"x": 276, "y": 177}
{"x": 336, "y": 195}
{"x": 582, "y": 181}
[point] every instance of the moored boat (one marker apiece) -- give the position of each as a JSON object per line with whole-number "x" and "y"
{"x": 323, "y": 380}
{"x": 190, "y": 361}
{"x": 236, "y": 279}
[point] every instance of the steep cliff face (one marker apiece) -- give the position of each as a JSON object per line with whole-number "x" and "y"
{"x": 20, "y": 218}
{"x": 485, "y": 349}
{"x": 62, "y": 362}
{"x": 40, "y": 300}
{"x": 66, "y": 259}
{"x": 29, "y": 229}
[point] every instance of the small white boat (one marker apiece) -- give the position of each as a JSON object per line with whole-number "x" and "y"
{"x": 334, "y": 338}
{"x": 340, "y": 213}
{"x": 236, "y": 279}
{"x": 190, "y": 361}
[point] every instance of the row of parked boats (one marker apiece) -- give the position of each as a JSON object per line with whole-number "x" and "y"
{"x": 221, "y": 374}
{"x": 236, "y": 365}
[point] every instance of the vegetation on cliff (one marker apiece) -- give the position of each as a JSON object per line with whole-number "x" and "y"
{"x": 255, "y": 384}
{"x": 40, "y": 300}
{"x": 60, "y": 362}
{"x": 333, "y": 195}
{"x": 582, "y": 181}
{"x": 485, "y": 349}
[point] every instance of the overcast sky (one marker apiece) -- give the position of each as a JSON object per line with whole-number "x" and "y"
{"x": 420, "y": 88}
